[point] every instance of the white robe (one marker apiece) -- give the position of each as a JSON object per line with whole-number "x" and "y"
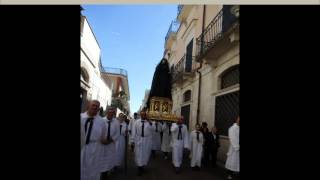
{"x": 156, "y": 137}
{"x": 91, "y": 153}
{"x": 233, "y": 159}
{"x": 108, "y": 155}
{"x": 196, "y": 148}
{"x": 130, "y": 127}
{"x": 178, "y": 145}
{"x": 166, "y": 139}
{"x": 142, "y": 147}
{"x": 120, "y": 144}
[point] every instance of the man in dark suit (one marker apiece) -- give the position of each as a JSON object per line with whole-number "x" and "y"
{"x": 213, "y": 145}
{"x": 206, "y": 145}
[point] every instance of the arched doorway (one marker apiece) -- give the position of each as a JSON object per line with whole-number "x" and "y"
{"x": 84, "y": 81}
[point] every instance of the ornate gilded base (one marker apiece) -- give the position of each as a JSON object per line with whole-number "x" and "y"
{"x": 160, "y": 110}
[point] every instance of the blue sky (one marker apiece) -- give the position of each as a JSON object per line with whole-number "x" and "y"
{"x": 131, "y": 37}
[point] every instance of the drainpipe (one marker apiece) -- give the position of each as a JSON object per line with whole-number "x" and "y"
{"x": 201, "y": 61}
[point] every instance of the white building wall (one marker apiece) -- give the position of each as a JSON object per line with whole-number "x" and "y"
{"x": 90, "y": 57}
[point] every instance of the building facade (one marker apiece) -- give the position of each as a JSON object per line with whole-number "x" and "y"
{"x": 117, "y": 79}
{"x": 145, "y": 100}
{"x": 92, "y": 86}
{"x": 202, "y": 47}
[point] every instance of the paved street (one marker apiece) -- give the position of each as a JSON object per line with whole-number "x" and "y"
{"x": 160, "y": 169}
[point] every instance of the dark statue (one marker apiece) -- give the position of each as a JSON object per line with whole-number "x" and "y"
{"x": 161, "y": 83}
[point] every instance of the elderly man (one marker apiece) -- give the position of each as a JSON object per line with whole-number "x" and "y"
{"x": 92, "y": 128}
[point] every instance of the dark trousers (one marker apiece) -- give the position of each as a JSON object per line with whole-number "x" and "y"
{"x": 208, "y": 154}
{"x": 213, "y": 154}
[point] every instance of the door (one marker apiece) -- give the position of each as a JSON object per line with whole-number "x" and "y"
{"x": 227, "y": 109}
{"x": 185, "y": 112}
{"x": 188, "y": 65}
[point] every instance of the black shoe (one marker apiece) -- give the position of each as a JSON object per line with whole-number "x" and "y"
{"x": 139, "y": 171}
{"x": 197, "y": 168}
{"x": 177, "y": 170}
{"x": 104, "y": 175}
{"x": 115, "y": 168}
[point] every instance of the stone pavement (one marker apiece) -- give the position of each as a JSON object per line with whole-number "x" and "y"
{"x": 161, "y": 169}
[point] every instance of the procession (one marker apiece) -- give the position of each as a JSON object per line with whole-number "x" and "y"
{"x": 105, "y": 140}
{"x": 103, "y": 144}
{"x": 188, "y": 124}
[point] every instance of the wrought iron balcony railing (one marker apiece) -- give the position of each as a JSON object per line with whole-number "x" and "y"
{"x": 174, "y": 26}
{"x": 179, "y": 9}
{"x": 184, "y": 67}
{"x": 220, "y": 24}
{"x": 115, "y": 71}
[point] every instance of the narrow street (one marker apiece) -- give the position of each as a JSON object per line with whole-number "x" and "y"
{"x": 159, "y": 169}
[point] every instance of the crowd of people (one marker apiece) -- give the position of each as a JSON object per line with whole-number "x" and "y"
{"x": 104, "y": 139}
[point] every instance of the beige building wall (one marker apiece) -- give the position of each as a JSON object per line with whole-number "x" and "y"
{"x": 191, "y": 28}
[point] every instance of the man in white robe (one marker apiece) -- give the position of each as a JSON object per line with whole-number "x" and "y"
{"x": 156, "y": 138}
{"x": 196, "y": 145}
{"x": 166, "y": 139}
{"x": 131, "y": 123}
{"x": 110, "y": 136}
{"x": 142, "y": 134}
{"x": 120, "y": 143}
{"x": 180, "y": 140}
{"x": 233, "y": 155}
{"x": 92, "y": 127}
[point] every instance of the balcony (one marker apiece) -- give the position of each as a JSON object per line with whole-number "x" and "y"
{"x": 183, "y": 12}
{"x": 115, "y": 71}
{"x": 220, "y": 35}
{"x": 184, "y": 69}
{"x": 171, "y": 34}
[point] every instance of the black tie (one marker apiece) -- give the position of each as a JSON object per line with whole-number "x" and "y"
{"x": 120, "y": 128}
{"x": 169, "y": 129}
{"x": 180, "y": 133}
{"x": 109, "y": 124}
{"x": 156, "y": 127}
{"x": 90, "y": 128}
{"x": 198, "y": 135}
{"x": 142, "y": 131}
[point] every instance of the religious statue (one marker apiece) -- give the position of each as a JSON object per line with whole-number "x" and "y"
{"x": 160, "y": 99}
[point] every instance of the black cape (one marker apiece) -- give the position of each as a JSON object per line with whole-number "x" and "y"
{"x": 161, "y": 83}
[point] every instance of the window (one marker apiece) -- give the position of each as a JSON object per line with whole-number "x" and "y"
{"x": 230, "y": 77}
{"x": 187, "y": 96}
{"x": 226, "y": 111}
{"x": 84, "y": 75}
